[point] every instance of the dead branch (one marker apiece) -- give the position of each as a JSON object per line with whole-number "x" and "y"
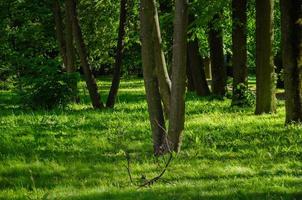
{"x": 155, "y": 179}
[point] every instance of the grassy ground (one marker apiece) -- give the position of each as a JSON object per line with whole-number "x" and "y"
{"x": 79, "y": 153}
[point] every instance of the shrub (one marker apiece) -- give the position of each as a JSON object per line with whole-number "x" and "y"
{"x": 46, "y": 86}
{"x": 243, "y": 96}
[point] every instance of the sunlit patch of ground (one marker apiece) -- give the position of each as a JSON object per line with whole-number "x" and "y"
{"x": 79, "y": 153}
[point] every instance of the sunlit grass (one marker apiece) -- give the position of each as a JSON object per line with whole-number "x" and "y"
{"x": 79, "y": 153}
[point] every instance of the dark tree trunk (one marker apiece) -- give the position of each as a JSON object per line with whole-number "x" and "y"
{"x": 239, "y": 48}
{"x": 70, "y": 67}
{"x": 118, "y": 57}
{"x": 291, "y": 11}
{"x": 155, "y": 109}
{"x": 59, "y": 30}
{"x": 265, "y": 84}
{"x": 69, "y": 47}
{"x": 190, "y": 83}
{"x": 160, "y": 62}
{"x": 219, "y": 78}
{"x": 177, "y": 110}
{"x": 196, "y": 68}
{"x": 89, "y": 77}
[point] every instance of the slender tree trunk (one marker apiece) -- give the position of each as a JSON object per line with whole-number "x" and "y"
{"x": 69, "y": 50}
{"x": 70, "y": 66}
{"x": 89, "y": 78}
{"x": 291, "y": 11}
{"x": 177, "y": 110}
{"x": 59, "y": 30}
{"x": 155, "y": 109}
{"x": 219, "y": 78}
{"x": 161, "y": 66}
{"x": 196, "y": 68}
{"x": 265, "y": 84}
{"x": 239, "y": 48}
{"x": 118, "y": 57}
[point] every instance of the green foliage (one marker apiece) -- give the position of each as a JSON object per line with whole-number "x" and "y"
{"x": 100, "y": 22}
{"x": 46, "y": 87}
{"x": 243, "y": 96}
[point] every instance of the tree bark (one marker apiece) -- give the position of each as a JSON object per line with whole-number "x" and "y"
{"x": 179, "y": 62}
{"x": 265, "y": 84}
{"x": 155, "y": 109}
{"x": 59, "y": 30}
{"x": 118, "y": 57}
{"x": 161, "y": 66}
{"x": 190, "y": 83}
{"x": 239, "y": 47}
{"x": 291, "y": 16}
{"x": 219, "y": 78}
{"x": 70, "y": 66}
{"x": 196, "y": 68}
{"x": 89, "y": 77}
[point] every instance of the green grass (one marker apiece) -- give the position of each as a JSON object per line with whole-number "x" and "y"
{"x": 79, "y": 153}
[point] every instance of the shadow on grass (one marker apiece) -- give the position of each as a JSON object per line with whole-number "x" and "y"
{"x": 185, "y": 193}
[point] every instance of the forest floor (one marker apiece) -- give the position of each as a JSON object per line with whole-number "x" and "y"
{"x": 78, "y": 153}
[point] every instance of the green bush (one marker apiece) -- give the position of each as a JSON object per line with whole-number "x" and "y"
{"x": 243, "y": 96}
{"x": 47, "y": 86}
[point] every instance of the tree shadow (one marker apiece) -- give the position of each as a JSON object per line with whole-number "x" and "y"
{"x": 186, "y": 193}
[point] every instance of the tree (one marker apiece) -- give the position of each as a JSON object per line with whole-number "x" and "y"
{"x": 161, "y": 66}
{"x": 265, "y": 81}
{"x": 179, "y": 62}
{"x": 66, "y": 45}
{"x": 190, "y": 82}
{"x": 219, "y": 78}
{"x": 118, "y": 57}
{"x": 59, "y": 30}
{"x": 155, "y": 109}
{"x": 239, "y": 47}
{"x": 89, "y": 77}
{"x": 70, "y": 67}
{"x": 195, "y": 66}
{"x": 291, "y": 12}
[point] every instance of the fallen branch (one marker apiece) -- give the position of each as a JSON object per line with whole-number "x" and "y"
{"x": 155, "y": 179}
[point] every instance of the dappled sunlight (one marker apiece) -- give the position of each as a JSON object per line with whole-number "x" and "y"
{"x": 79, "y": 153}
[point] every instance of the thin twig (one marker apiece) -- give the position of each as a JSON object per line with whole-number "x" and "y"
{"x": 166, "y": 135}
{"x": 128, "y": 167}
{"x": 155, "y": 179}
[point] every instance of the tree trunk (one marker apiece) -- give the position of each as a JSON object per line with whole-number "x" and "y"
{"x": 160, "y": 62}
{"x": 265, "y": 84}
{"x": 239, "y": 47}
{"x": 190, "y": 83}
{"x": 151, "y": 82}
{"x": 118, "y": 57}
{"x": 207, "y": 67}
{"x": 196, "y": 68}
{"x": 291, "y": 16}
{"x": 70, "y": 66}
{"x": 177, "y": 110}
{"x": 89, "y": 78}
{"x": 219, "y": 78}
{"x": 59, "y": 30}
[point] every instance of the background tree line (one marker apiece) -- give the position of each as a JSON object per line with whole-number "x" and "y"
{"x": 46, "y": 46}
